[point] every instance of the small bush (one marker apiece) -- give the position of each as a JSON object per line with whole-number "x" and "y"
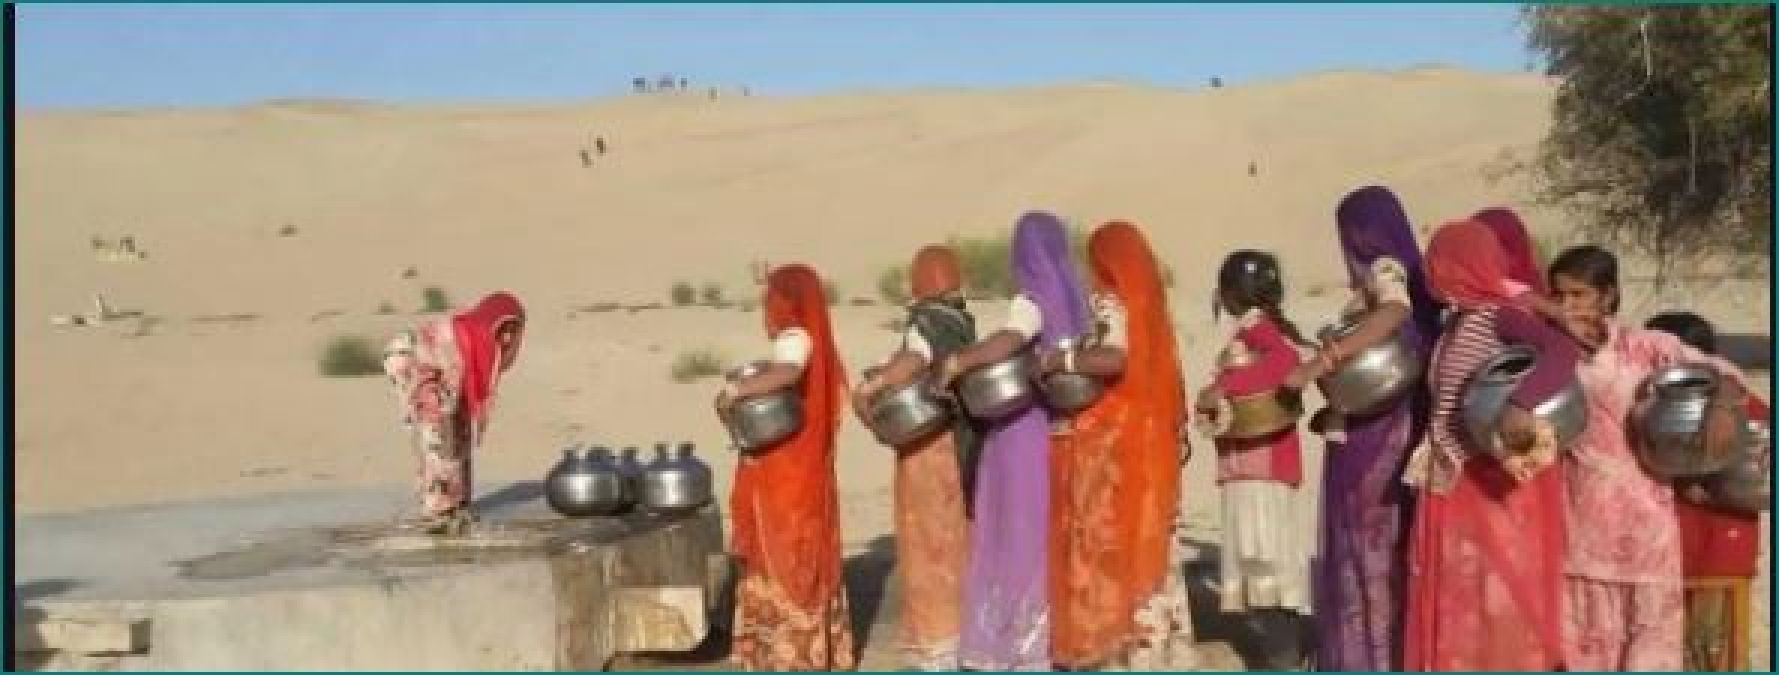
{"x": 697, "y": 365}
{"x": 385, "y": 309}
{"x": 682, "y": 293}
{"x": 433, "y": 300}
{"x": 713, "y": 294}
{"x": 288, "y": 230}
{"x": 831, "y": 291}
{"x": 1167, "y": 276}
{"x": 988, "y": 263}
{"x": 892, "y": 286}
{"x": 350, "y": 356}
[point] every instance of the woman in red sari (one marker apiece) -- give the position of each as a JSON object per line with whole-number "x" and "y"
{"x": 1485, "y": 560}
{"x": 790, "y": 606}
{"x": 445, "y": 372}
{"x": 1116, "y": 593}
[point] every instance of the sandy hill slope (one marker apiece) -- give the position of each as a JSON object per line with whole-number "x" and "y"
{"x": 214, "y": 389}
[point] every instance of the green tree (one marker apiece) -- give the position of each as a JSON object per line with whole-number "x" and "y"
{"x": 1662, "y": 131}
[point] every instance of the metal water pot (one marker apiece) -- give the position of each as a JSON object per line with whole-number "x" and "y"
{"x": 677, "y": 483}
{"x": 996, "y": 390}
{"x": 1668, "y": 438}
{"x": 902, "y": 415}
{"x": 757, "y": 422}
{"x": 586, "y": 484}
{"x": 1070, "y": 393}
{"x": 1485, "y": 397}
{"x": 1371, "y": 379}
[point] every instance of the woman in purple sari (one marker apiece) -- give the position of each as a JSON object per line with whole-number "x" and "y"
{"x": 1006, "y": 608}
{"x": 1359, "y": 575}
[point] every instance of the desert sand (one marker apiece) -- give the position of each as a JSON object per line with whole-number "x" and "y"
{"x": 270, "y": 228}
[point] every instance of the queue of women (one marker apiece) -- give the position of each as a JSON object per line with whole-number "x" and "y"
{"x": 1043, "y": 541}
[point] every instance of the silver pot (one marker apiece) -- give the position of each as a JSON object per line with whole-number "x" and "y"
{"x": 583, "y": 484}
{"x": 1070, "y": 393}
{"x": 1668, "y": 439}
{"x": 757, "y": 422}
{"x": 1372, "y": 378}
{"x": 1485, "y": 397}
{"x": 901, "y": 415}
{"x": 675, "y": 484}
{"x": 998, "y": 389}
{"x": 1747, "y": 485}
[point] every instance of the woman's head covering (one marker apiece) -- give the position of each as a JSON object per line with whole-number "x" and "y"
{"x": 1516, "y": 243}
{"x": 1045, "y": 275}
{"x": 1467, "y": 268}
{"x": 1372, "y": 225}
{"x": 479, "y": 351}
{"x": 935, "y": 272}
{"x": 792, "y": 484}
{"x": 1122, "y": 262}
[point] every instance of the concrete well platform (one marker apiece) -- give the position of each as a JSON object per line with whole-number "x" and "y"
{"x": 330, "y": 581}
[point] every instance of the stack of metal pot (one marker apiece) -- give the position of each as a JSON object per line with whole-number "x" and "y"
{"x": 593, "y": 482}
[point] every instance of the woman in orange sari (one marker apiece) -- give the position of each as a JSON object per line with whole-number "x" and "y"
{"x": 1117, "y": 596}
{"x": 790, "y": 605}
{"x": 932, "y": 535}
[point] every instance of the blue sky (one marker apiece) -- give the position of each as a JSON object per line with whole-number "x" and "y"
{"x": 82, "y": 56}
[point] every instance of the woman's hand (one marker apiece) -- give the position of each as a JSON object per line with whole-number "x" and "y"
{"x": 725, "y": 399}
{"x": 1050, "y": 360}
{"x": 1694, "y": 491}
{"x": 1208, "y": 399}
{"x": 1301, "y": 376}
{"x": 1309, "y": 371}
{"x": 867, "y": 390}
{"x": 1725, "y": 419}
{"x": 1518, "y": 430}
{"x": 948, "y": 371}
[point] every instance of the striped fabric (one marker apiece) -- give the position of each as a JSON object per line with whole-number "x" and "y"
{"x": 1469, "y": 342}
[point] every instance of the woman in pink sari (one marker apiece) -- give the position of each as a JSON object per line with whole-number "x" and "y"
{"x": 1485, "y": 556}
{"x": 1624, "y": 596}
{"x": 445, "y": 373}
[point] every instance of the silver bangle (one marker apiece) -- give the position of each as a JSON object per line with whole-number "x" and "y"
{"x": 1068, "y": 360}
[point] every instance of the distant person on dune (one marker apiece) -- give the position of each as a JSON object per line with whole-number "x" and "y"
{"x": 445, "y": 373}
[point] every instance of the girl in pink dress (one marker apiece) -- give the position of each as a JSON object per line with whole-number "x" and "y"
{"x": 1265, "y": 565}
{"x": 1624, "y": 601}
